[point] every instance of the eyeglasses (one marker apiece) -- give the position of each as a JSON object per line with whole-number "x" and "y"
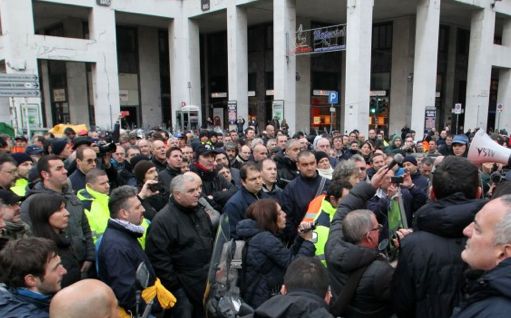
{"x": 11, "y": 172}
{"x": 378, "y": 228}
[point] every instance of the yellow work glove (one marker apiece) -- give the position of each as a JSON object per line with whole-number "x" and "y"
{"x": 165, "y": 297}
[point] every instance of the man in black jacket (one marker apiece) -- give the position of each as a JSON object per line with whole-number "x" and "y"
{"x": 299, "y": 192}
{"x": 304, "y": 292}
{"x": 174, "y": 162}
{"x": 286, "y": 163}
{"x": 214, "y": 187}
{"x": 488, "y": 253}
{"x": 429, "y": 276}
{"x": 179, "y": 245}
{"x": 344, "y": 255}
{"x": 250, "y": 192}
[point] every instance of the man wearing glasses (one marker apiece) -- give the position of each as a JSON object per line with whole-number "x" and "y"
{"x": 85, "y": 162}
{"x": 353, "y": 258}
{"x": 7, "y": 171}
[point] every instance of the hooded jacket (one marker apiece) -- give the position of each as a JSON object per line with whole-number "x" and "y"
{"x": 78, "y": 229}
{"x": 266, "y": 261}
{"x": 488, "y": 295}
{"x": 429, "y": 276}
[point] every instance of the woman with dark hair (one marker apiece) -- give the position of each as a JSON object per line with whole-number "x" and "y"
{"x": 49, "y": 218}
{"x": 266, "y": 256}
{"x": 367, "y": 150}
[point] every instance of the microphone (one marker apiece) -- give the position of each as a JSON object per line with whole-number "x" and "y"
{"x": 398, "y": 159}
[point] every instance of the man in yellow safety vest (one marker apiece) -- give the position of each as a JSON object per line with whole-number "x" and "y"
{"x": 321, "y": 211}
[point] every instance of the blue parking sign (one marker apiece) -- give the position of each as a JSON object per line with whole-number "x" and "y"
{"x": 333, "y": 97}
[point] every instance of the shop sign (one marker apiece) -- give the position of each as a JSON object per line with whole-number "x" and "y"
{"x": 219, "y": 95}
{"x": 232, "y": 111}
{"x": 104, "y": 3}
{"x": 124, "y": 95}
{"x": 430, "y": 118}
{"x": 320, "y": 92}
{"x": 378, "y": 93}
{"x": 278, "y": 109}
{"x": 59, "y": 95}
{"x": 320, "y": 40}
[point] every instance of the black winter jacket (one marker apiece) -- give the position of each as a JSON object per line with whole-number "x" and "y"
{"x": 429, "y": 276}
{"x": 166, "y": 175}
{"x": 266, "y": 261}
{"x": 372, "y": 296}
{"x": 295, "y": 304}
{"x": 179, "y": 244}
{"x": 286, "y": 170}
{"x": 488, "y": 295}
{"x": 215, "y": 185}
{"x": 296, "y": 198}
{"x": 236, "y": 207}
{"x": 119, "y": 256}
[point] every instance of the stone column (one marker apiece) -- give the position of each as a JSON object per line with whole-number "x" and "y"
{"x": 303, "y": 89}
{"x": 184, "y": 65}
{"x": 76, "y": 76}
{"x": 105, "y": 81}
{"x": 450, "y": 79}
{"x": 150, "y": 91}
{"x": 284, "y": 63}
{"x": 401, "y": 80}
{"x": 358, "y": 64}
{"x": 425, "y": 61}
{"x": 479, "y": 69}
{"x": 237, "y": 57}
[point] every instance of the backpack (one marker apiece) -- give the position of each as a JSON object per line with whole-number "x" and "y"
{"x": 226, "y": 272}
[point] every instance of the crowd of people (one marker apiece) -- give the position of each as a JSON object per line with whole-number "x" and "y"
{"x": 335, "y": 225}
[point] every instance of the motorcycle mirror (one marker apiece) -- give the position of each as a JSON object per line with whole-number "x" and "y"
{"x": 142, "y": 275}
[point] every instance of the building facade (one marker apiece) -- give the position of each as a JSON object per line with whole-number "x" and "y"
{"x": 174, "y": 63}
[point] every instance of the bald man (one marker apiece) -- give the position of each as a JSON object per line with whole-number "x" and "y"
{"x": 77, "y": 300}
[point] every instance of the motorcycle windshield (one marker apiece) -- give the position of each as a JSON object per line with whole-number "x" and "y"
{"x": 215, "y": 272}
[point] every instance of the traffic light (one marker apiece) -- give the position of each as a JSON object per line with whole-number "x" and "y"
{"x": 373, "y": 105}
{"x": 376, "y": 106}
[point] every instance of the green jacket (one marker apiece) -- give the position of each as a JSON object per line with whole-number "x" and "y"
{"x": 95, "y": 206}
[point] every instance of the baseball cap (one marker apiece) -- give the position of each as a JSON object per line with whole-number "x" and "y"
{"x": 204, "y": 150}
{"x": 460, "y": 139}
